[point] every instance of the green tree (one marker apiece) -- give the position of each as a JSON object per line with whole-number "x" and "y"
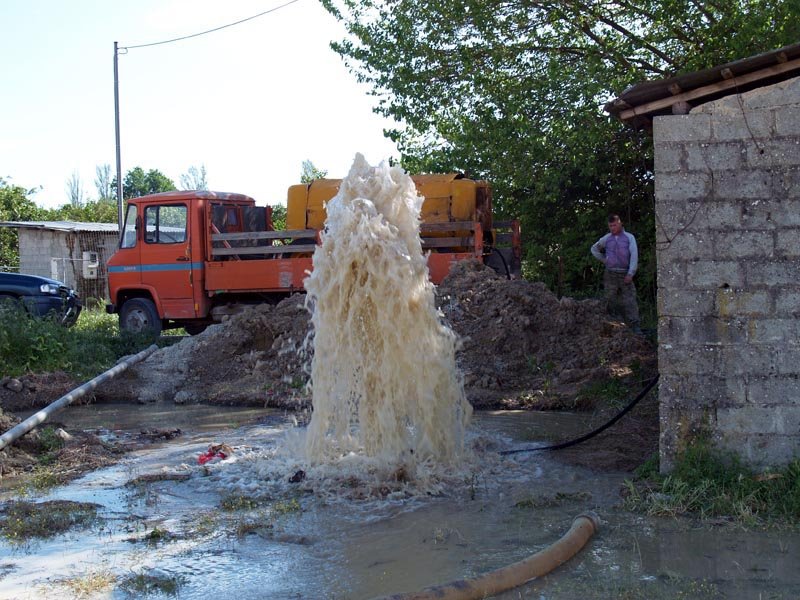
{"x": 15, "y": 205}
{"x": 278, "y": 216}
{"x": 137, "y": 183}
{"x": 93, "y": 211}
{"x": 512, "y": 92}
{"x": 309, "y": 172}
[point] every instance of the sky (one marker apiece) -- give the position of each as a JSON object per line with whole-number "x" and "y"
{"x": 250, "y": 102}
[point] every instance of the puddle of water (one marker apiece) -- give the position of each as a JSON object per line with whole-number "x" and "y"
{"x": 335, "y": 547}
{"x": 162, "y": 415}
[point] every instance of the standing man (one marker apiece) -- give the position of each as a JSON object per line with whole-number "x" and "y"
{"x": 618, "y": 252}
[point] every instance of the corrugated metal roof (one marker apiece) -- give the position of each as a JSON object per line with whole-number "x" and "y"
{"x": 62, "y": 226}
{"x": 640, "y": 103}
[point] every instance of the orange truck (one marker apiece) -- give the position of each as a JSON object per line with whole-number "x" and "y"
{"x": 187, "y": 259}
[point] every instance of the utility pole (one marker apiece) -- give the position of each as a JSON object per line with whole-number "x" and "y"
{"x": 116, "y": 128}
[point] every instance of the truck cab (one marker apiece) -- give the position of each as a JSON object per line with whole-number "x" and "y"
{"x": 184, "y": 254}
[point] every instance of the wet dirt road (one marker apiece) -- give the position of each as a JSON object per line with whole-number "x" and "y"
{"x": 239, "y": 528}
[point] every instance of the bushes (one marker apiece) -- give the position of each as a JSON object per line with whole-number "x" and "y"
{"x": 36, "y": 345}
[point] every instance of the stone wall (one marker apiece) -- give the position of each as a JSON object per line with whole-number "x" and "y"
{"x": 727, "y": 179}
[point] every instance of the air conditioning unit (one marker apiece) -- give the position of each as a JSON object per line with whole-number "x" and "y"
{"x": 90, "y": 264}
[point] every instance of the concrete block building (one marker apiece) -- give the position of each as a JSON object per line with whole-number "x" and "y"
{"x": 72, "y": 252}
{"x": 727, "y": 202}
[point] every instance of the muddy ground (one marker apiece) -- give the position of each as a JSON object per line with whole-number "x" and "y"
{"x": 522, "y": 348}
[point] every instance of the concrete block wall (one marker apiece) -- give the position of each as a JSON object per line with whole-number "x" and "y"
{"x": 38, "y": 248}
{"x": 727, "y": 186}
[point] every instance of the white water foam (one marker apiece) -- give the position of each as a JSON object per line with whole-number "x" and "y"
{"x": 384, "y": 379}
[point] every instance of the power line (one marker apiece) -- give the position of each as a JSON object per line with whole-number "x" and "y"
{"x": 186, "y": 37}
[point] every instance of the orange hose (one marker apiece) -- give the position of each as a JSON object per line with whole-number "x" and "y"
{"x": 584, "y": 526}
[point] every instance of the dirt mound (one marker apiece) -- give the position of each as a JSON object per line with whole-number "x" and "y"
{"x": 522, "y": 348}
{"x": 34, "y": 390}
{"x": 253, "y": 358}
{"x": 525, "y": 348}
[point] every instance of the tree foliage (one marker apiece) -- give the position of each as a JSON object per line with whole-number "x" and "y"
{"x": 512, "y": 90}
{"x": 137, "y": 183}
{"x": 15, "y": 205}
{"x": 93, "y": 211}
{"x": 309, "y": 172}
{"x": 278, "y": 216}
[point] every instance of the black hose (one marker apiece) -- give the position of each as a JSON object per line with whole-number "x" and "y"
{"x": 593, "y": 433}
{"x": 505, "y": 263}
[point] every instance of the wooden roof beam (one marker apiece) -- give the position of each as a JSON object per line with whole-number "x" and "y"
{"x": 707, "y": 90}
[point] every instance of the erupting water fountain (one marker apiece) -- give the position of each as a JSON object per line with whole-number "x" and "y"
{"x": 383, "y": 371}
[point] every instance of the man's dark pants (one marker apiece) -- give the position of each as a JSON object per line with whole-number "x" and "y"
{"x": 622, "y": 295}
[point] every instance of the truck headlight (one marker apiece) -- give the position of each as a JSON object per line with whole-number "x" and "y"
{"x": 48, "y": 288}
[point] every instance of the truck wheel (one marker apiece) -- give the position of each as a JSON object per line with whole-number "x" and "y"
{"x": 195, "y": 328}
{"x": 139, "y": 315}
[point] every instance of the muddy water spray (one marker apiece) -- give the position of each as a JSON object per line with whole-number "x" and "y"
{"x": 383, "y": 374}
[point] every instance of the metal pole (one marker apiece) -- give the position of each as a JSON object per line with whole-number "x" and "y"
{"x": 22, "y": 428}
{"x": 116, "y": 128}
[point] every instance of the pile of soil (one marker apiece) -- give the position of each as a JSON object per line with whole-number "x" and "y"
{"x": 522, "y": 347}
{"x": 525, "y": 348}
{"x": 34, "y": 390}
{"x": 254, "y": 358}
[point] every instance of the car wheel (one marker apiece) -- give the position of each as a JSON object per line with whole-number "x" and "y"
{"x": 139, "y": 315}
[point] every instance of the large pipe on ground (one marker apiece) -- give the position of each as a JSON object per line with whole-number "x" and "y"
{"x": 583, "y": 527}
{"x": 21, "y": 429}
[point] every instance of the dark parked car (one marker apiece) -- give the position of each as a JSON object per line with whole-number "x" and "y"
{"x": 41, "y": 296}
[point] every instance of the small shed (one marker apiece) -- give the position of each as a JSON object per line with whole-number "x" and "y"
{"x": 70, "y": 251}
{"x": 727, "y": 203}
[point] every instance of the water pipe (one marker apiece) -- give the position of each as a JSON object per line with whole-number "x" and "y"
{"x": 584, "y": 526}
{"x": 21, "y": 429}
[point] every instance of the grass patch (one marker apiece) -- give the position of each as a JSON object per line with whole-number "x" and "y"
{"x": 90, "y": 585}
{"x": 157, "y": 535}
{"x": 710, "y": 483}
{"x": 286, "y": 507}
{"x": 92, "y": 345}
{"x": 610, "y": 392}
{"x": 23, "y": 521}
{"x": 152, "y": 582}
{"x": 49, "y": 444}
{"x": 49, "y": 440}
{"x": 234, "y": 502}
{"x": 43, "y": 478}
